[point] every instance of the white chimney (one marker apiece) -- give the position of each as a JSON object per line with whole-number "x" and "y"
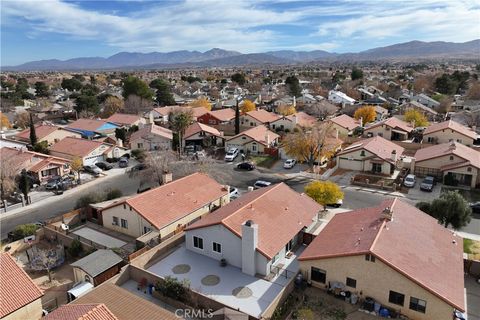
{"x": 361, "y": 122}
{"x": 294, "y": 102}
{"x": 120, "y": 143}
{"x": 150, "y": 118}
{"x": 394, "y": 156}
{"x": 249, "y": 246}
{"x": 267, "y": 139}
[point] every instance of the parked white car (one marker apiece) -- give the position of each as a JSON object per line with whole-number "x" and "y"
{"x": 261, "y": 184}
{"x": 289, "y": 163}
{"x": 234, "y": 193}
{"x": 231, "y": 154}
{"x": 409, "y": 181}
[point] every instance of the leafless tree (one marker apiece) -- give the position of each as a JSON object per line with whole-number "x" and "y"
{"x": 320, "y": 109}
{"x": 8, "y": 171}
{"x": 472, "y": 118}
{"x": 137, "y": 105}
{"x": 158, "y": 163}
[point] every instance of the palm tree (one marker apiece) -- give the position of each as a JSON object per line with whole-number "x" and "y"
{"x": 179, "y": 121}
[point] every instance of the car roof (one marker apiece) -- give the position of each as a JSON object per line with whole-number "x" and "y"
{"x": 262, "y": 181}
{"x": 411, "y": 176}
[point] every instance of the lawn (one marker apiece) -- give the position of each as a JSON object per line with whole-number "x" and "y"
{"x": 472, "y": 248}
{"x": 263, "y": 161}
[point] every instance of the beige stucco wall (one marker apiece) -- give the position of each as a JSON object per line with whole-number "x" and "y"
{"x": 382, "y": 130}
{"x": 287, "y": 124}
{"x": 79, "y": 275}
{"x": 341, "y": 130}
{"x": 59, "y": 135}
{"x": 150, "y": 142}
{"x": 30, "y": 311}
{"x": 376, "y": 279}
{"x": 445, "y": 136}
{"x": 359, "y": 162}
{"x": 248, "y": 121}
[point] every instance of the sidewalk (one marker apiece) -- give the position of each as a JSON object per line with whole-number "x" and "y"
{"x": 41, "y": 198}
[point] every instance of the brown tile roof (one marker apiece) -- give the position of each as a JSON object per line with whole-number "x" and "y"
{"x": 452, "y": 125}
{"x": 153, "y": 129}
{"x": 412, "y": 243}
{"x": 289, "y": 210}
{"x": 377, "y": 145}
{"x": 393, "y": 123}
{"x": 81, "y": 312}
{"x": 16, "y": 287}
{"x": 87, "y": 124}
{"x": 123, "y": 119}
{"x": 40, "y": 130}
{"x": 470, "y": 155}
{"x": 345, "y": 121}
{"x": 199, "y": 111}
{"x": 32, "y": 161}
{"x": 263, "y": 116}
{"x": 124, "y": 304}
{"x": 303, "y": 119}
{"x": 258, "y": 134}
{"x": 165, "y": 111}
{"x": 223, "y": 114}
{"x": 197, "y": 127}
{"x": 75, "y": 146}
{"x": 166, "y": 204}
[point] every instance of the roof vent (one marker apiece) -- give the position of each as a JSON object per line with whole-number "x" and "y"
{"x": 249, "y": 223}
{"x": 454, "y": 241}
{"x": 387, "y": 214}
{"x": 452, "y": 145}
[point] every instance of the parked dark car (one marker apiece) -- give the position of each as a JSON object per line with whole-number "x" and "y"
{"x": 246, "y": 166}
{"x": 428, "y": 183}
{"x": 94, "y": 170}
{"x": 104, "y": 165}
{"x": 123, "y": 162}
{"x": 475, "y": 207}
{"x": 139, "y": 167}
{"x": 59, "y": 183}
{"x": 53, "y": 182}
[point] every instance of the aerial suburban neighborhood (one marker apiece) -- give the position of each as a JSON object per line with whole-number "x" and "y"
{"x": 332, "y": 171}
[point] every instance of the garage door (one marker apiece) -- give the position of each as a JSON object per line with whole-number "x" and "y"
{"x": 92, "y": 160}
{"x": 350, "y": 164}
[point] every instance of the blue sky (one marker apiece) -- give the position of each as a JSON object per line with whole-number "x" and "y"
{"x": 54, "y": 29}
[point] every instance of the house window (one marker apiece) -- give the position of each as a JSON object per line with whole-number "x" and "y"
{"x": 369, "y": 257}
{"x": 352, "y": 283}
{"x": 251, "y": 124}
{"x": 418, "y": 304}
{"x": 254, "y": 147}
{"x": 459, "y": 140}
{"x": 273, "y": 126}
{"x": 217, "y": 247}
{"x": 88, "y": 279}
{"x": 244, "y": 138}
{"x": 396, "y": 298}
{"x": 319, "y": 275}
{"x": 124, "y": 224}
{"x": 146, "y": 230}
{"x": 430, "y": 139}
{"x": 451, "y": 157}
{"x": 376, "y": 167}
{"x": 362, "y": 153}
{"x": 469, "y": 169}
{"x": 198, "y": 242}
{"x": 140, "y": 145}
{"x": 124, "y": 206}
{"x": 115, "y": 221}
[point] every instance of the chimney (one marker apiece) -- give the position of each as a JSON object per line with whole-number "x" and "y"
{"x": 267, "y": 139}
{"x": 394, "y": 156}
{"x": 294, "y": 101}
{"x": 150, "y": 118}
{"x": 387, "y": 214}
{"x": 452, "y": 145}
{"x": 361, "y": 122}
{"x": 249, "y": 246}
{"x": 167, "y": 177}
{"x": 120, "y": 143}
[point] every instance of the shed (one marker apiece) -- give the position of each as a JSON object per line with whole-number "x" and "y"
{"x": 97, "y": 267}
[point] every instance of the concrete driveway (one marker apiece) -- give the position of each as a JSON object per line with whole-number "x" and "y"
{"x": 278, "y": 167}
{"x": 416, "y": 194}
{"x": 473, "y": 298}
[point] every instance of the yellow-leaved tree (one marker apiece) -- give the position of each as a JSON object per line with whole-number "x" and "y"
{"x": 247, "y": 106}
{"x": 417, "y": 117}
{"x": 201, "y": 102}
{"x": 285, "y": 110}
{"x": 324, "y": 192}
{"x": 5, "y": 123}
{"x": 367, "y": 113}
{"x": 76, "y": 165}
{"x": 112, "y": 105}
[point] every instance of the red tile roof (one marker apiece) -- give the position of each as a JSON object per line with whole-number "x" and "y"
{"x": 223, "y": 114}
{"x": 263, "y": 116}
{"x": 258, "y": 134}
{"x": 199, "y": 111}
{"x": 81, "y": 312}
{"x": 450, "y": 124}
{"x": 75, "y": 146}
{"x": 471, "y": 156}
{"x": 412, "y": 243}
{"x": 153, "y": 129}
{"x": 289, "y": 210}
{"x": 87, "y": 124}
{"x": 303, "y": 119}
{"x": 377, "y": 145}
{"x": 393, "y": 123}
{"x": 345, "y": 121}
{"x": 16, "y": 287}
{"x": 32, "y": 161}
{"x": 177, "y": 199}
{"x": 123, "y": 119}
{"x": 197, "y": 127}
{"x": 40, "y": 130}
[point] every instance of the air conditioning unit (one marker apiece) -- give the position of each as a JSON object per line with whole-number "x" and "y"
{"x": 65, "y": 226}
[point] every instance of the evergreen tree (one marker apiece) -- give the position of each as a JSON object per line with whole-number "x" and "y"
{"x": 33, "y": 134}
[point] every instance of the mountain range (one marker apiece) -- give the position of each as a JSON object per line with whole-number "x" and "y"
{"x": 409, "y": 51}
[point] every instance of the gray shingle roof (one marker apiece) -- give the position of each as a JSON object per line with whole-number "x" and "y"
{"x": 98, "y": 262}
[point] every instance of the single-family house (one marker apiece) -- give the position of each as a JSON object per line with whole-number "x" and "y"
{"x": 160, "y": 115}
{"x": 426, "y": 100}
{"x": 340, "y": 98}
{"x": 256, "y": 231}
{"x": 218, "y": 117}
{"x": 201, "y": 134}
{"x": 288, "y": 123}
{"x": 168, "y": 208}
{"x": 381, "y": 112}
{"x": 376, "y": 155}
{"x": 254, "y": 140}
{"x": 97, "y": 267}
{"x": 126, "y": 120}
{"x": 392, "y": 129}
{"x": 151, "y": 137}
{"x": 14, "y": 144}
{"x": 41, "y": 166}
{"x": 393, "y": 253}
{"x": 20, "y": 297}
{"x": 257, "y": 117}
{"x": 446, "y": 131}
{"x": 94, "y": 311}
{"x": 429, "y": 113}
{"x": 92, "y": 127}
{"x": 89, "y": 151}
{"x": 49, "y": 133}
{"x": 451, "y": 162}
{"x": 344, "y": 124}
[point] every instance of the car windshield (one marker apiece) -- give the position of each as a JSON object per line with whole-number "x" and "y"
{"x": 428, "y": 179}
{"x": 409, "y": 179}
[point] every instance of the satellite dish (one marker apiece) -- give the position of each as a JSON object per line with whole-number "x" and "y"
{"x": 65, "y": 226}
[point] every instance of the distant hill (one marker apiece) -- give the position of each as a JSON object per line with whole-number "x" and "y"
{"x": 413, "y": 50}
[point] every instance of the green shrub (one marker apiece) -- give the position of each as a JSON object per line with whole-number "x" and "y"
{"x": 173, "y": 288}
{"x": 138, "y": 154}
{"x": 24, "y": 230}
{"x": 113, "y": 194}
{"x": 75, "y": 248}
{"x": 87, "y": 199}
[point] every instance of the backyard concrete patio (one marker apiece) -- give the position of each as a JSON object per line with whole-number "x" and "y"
{"x": 228, "y": 285}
